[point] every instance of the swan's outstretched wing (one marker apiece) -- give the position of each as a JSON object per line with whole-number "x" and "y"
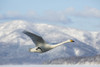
{"x": 35, "y": 38}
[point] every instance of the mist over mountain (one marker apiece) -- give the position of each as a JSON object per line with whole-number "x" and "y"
{"x": 14, "y": 45}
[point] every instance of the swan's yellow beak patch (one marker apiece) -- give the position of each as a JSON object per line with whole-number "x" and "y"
{"x": 71, "y": 41}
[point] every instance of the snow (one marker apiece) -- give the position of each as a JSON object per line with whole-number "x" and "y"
{"x": 50, "y": 66}
{"x": 14, "y": 45}
{"x": 77, "y": 52}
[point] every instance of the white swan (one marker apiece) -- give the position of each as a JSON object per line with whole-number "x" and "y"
{"x": 41, "y": 45}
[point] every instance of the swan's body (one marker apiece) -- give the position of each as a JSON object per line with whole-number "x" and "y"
{"x": 41, "y": 45}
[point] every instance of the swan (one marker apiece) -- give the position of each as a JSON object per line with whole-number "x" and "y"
{"x": 41, "y": 45}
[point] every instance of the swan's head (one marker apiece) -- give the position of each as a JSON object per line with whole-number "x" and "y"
{"x": 70, "y": 40}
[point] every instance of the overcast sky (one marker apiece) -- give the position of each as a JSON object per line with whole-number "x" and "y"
{"x": 79, "y": 14}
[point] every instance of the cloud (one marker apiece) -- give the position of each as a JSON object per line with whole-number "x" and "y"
{"x": 53, "y": 16}
{"x": 9, "y": 15}
{"x": 17, "y": 16}
{"x": 69, "y": 11}
{"x": 87, "y": 12}
{"x": 49, "y": 16}
{"x": 91, "y": 12}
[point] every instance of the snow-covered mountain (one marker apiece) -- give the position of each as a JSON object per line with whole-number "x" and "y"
{"x": 91, "y": 60}
{"x": 14, "y": 45}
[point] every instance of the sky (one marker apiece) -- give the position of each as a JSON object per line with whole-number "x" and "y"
{"x": 79, "y": 14}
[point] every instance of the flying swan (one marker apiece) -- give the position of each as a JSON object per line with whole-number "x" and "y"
{"x": 41, "y": 45}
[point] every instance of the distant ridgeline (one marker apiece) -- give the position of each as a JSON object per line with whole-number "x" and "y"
{"x": 14, "y": 45}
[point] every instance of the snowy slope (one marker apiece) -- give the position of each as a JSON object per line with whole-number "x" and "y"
{"x": 14, "y": 45}
{"x": 91, "y": 60}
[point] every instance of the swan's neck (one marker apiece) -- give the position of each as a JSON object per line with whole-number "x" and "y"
{"x": 60, "y": 44}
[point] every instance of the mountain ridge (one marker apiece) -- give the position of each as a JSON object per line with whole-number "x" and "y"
{"x": 15, "y": 45}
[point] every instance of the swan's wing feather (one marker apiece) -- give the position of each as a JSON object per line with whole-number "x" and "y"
{"x": 35, "y": 38}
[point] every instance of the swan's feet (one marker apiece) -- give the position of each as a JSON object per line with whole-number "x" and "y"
{"x": 39, "y": 48}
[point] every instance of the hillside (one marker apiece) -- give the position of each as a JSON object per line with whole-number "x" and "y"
{"x": 14, "y": 45}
